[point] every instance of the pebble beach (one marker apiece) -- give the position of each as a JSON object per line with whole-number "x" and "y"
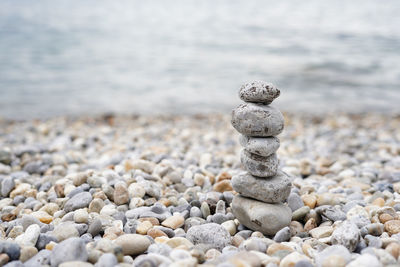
{"x": 156, "y": 191}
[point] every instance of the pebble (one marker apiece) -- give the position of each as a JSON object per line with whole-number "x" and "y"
{"x": 121, "y": 193}
{"x": 263, "y": 217}
{"x": 132, "y": 244}
{"x": 293, "y": 258}
{"x": 257, "y": 120}
{"x": 80, "y": 200}
{"x": 258, "y": 92}
{"x": 259, "y": 166}
{"x": 27, "y": 252}
{"x": 174, "y": 222}
{"x": 264, "y": 147}
{"x": 392, "y": 227}
{"x": 347, "y": 234}
{"x": 64, "y": 231}
{"x": 30, "y": 237}
{"x": 282, "y": 235}
{"x": 294, "y": 201}
{"x": 107, "y": 260}
{"x": 321, "y": 231}
{"x": 275, "y": 189}
{"x": 95, "y": 227}
{"x": 212, "y": 234}
{"x": 365, "y": 260}
{"x": 72, "y": 249}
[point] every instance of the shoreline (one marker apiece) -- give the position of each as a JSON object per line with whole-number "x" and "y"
{"x": 176, "y": 170}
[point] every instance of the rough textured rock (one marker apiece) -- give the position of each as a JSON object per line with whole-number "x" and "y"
{"x": 258, "y": 92}
{"x": 259, "y": 166}
{"x": 212, "y": 234}
{"x": 257, "y": 120}
{"x": 275, "y": 189}
{"x": 347, "y": 235}
{"x": 262, "y": 146}
{"x": 259, "y": 216}
{"x": 68, "y": 250}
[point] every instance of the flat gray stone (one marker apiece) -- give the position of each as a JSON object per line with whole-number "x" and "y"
{"x": 259, "y": 216}
{"x": 211, "y": 234}
{"x": 262, "y": 146}
{"x": 275, "y": 189}
{"x": 259, "y": 166}
{"x": 78, "y": 201}
{"x": 257, "y": 120}
{"x": 258, "y": 92}
{"x": 72, "y": 249}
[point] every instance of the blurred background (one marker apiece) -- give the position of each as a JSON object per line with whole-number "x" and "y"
{"x": 71, "y": 57}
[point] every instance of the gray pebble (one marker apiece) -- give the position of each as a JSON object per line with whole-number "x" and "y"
{"x": 258, "y": 92}
{"x": 107, "y": 260}
{"x": 295, "y": 202}
{"x": 211, "y": 233}
{"x": 78, "y": 201}
{"x": 95, "y": 227}
{"x": 259, "y": 166}
{"x": 282, "y": 235}
{"x": 72, "y": 249}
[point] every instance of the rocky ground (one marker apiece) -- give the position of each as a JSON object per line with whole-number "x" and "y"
{"x": 155, "y": 191}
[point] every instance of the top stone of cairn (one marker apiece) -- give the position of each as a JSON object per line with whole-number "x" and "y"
{"x": 258, "y": 92}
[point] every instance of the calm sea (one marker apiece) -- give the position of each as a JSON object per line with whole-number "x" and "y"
{"x": 156, "y": 56}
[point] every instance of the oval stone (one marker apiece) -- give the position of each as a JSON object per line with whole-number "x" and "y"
{"x": 262, "y": 146}
{"x": 271, "y": 190}
{"x": 257, "y": 120}
{"x": 259, "y": 216}
{"x": 259, "y": 166}
{"x": 258, "y": 92}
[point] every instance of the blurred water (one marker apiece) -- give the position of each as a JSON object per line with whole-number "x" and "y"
{"x": 95, "y": 56}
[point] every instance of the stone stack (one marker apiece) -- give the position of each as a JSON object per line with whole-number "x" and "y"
{"x": 263, "y": 188}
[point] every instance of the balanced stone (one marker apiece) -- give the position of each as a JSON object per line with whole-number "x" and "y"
{"x": 259, "y": 216}
{"x": 258, "y": 92}
{"x": 257, "y": 120}
{"x": 275, "y": 189}
{"x": 262, "y": 146}
{"x": 259, "y": 166}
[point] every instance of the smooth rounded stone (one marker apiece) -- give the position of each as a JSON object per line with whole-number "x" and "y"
{"x": 81, "y": 216}
{"x": 80, "y": 200}
{"x": 205, "y": 209}
{"x": 153, "y": 260}
{"x": 259, "y": 216}
{"x": 275, "y": 189}
{"x": 44, "y": 239}
{"x": 258, "y": 92}
{"x": 28, "y": 220}
{"x": 7, "y": 184}
{"x": 107, "y": 260}
{"x": 12, "y": 249}
{"x": 42, "y": 258}
{"x": 30, "y": 237}
{"x": 27, "y": 252}
{"x": 212, "y": 234}
{"x": 262, "y": 146}
{"x": 133, "y": 244}
{"x": 294, "y": 201}
{"x": 282, "y": 235}
{"x": 64, "y": 231}
{"x": 159, "y": 248}
{"x": 293, "y": 258}
{"x": 95, "y": 227}
{"x": 257, "y": 120}
{"x": 192, "y": 221}
{"x": 299, "y": 214}
{"x": 303, "y": 263}
{"x": 335, "y": 253}
{"x": 72, "y": 249}
{"x": 373, "y": 241}
{"x": 174, "y": 222}
{"x": 195, "y": 212}
{"x": 365, "y": 260}
{"x": 347, "y": 234}
{"x": 121, "y": 194}
{"x": 259, "y": 166}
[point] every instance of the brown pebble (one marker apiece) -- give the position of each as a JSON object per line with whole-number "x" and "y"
{"x": 392, "y": 227}
{"x": 379, "y": 202}
{"x": 174, "y": 221}
{"x": 295, "y": 228}
{"x": 8, "y": 217}
{"x": 309, "y": 200}
{"x": 310, "y": 224}
{"x": 223, "y": 176}
{"x": 237, "y": 240}
{"x": 273, "y": 248}
{"x": 143, "y": 227}
{"x": 154, "y": 233}
{"x": 154, "y": 221}
{"x": 59, "y": 189}
{"x": 165, "y": 201}
{"x": 222, "y": 186}
{"x": 4, "y": 259}
{"x": 394, "y": 249}
{"x": 384, "y": 217}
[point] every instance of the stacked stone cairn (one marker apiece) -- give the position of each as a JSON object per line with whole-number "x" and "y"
{"x": 262, "y": 188}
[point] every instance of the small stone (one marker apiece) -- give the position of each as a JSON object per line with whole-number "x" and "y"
{"x": 178, "y": 242}
{"x": 258, "y": 92}
{"x": 212, "y": 234}
{"x": 7, "y": 185}
{"x": 321, "y": 232}
{"x": 223, "y": 186}
{"x": 392, "y": 227}
{"x": 262, "y": 146}
{"x": 154, "y": 233}
{"x": 12, "y": 250}
{"x": 299, "y": 214}
{"x": 394, "y": 249}
{"x": 291, "y": 259}
{"x": 64, "y": 231}
{"x": 78, "y": 201}
{"x": 30, "y": 237}
{"x": 379, "y": 202}
{"x": 294, "y": 201}
{"x": 133, "y": 244}
{"x": 107, "y": 260}
{"x": 143, "y": 227}
{"x": 121, "y": 194}
{"x": 365, "y": 260}
{"x": 43, "y": 240}
{"x": 259, "y": 166}
{"x": 68, "y": 250}
{"x": 136, "y": 190}
{"x": 274, "y": 189}
{"x": 174, "y": 221}
{"x": 282, "y": 235}
{"x": 42, "y": 258}
{"x": 75, "y": 264}
{"x": 260, "y": 216}
{"x": 27, "y": 253}
{"x": 384, "y": 217}
{"x": 230, "y": 226}
{"x": 333, "y": 256}
{"x": 81, "y": 216}
{"x": 257, "y": 120}
{"x": 273, "y": 248}
{"x": 95, "y": 227}
{"x": 347, "y": 235}
{"x": 4, "y": 259}
{"x": 309, "y": 200}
